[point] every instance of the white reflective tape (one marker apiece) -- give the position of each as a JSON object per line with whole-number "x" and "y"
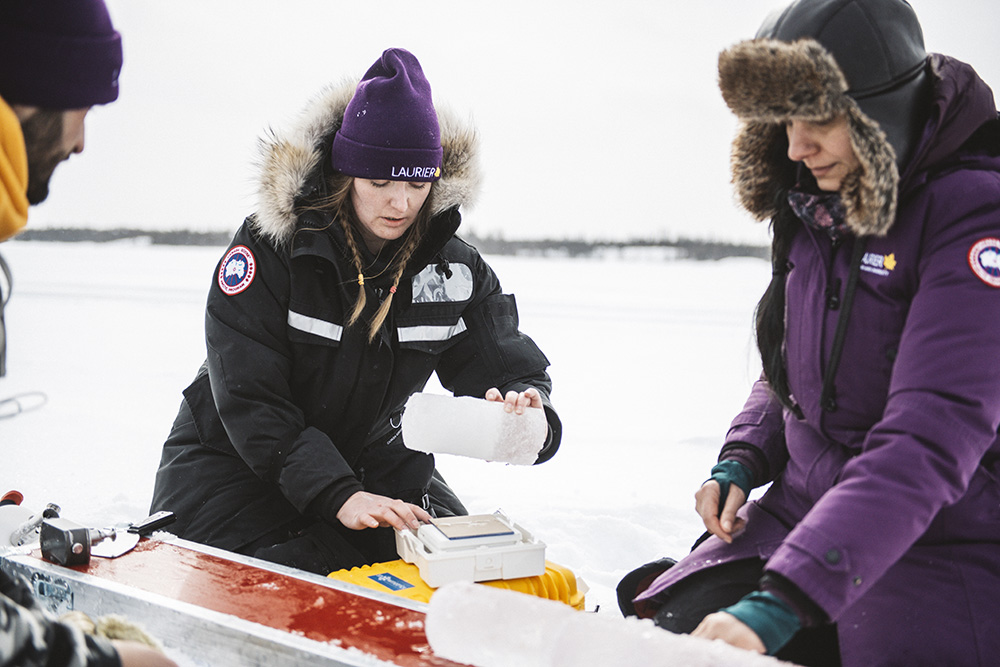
{"x": 428, "y": 333}
{"x": 315, "y": 326}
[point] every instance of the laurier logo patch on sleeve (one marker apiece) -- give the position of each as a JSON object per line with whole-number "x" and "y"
{"x": 237, "y": 270}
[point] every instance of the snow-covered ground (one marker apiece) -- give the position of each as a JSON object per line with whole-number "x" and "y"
{"x": 650, "y": 358}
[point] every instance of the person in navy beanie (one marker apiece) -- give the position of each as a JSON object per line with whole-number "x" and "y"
{"x": 875, "y": 423}
{"x": 58, "y": 58}
{"x": 335, "y": 302}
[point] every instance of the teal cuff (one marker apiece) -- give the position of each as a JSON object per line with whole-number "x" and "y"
{"x": 731, "y": 472}
{"x": 773, "y": 620}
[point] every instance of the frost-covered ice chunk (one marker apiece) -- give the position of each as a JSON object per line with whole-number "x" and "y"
{"x": 490, "y": 627}
{"x": 468, "y": 624}
{"x": 473, "y": 427}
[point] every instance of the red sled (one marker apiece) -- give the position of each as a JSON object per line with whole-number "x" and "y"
{"x": 212, "y": 607}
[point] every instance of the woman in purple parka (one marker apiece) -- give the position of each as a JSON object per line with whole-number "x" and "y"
{"x": 876, "y": 418}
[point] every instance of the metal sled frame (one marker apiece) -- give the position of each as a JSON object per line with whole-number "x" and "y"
{"x": 213, "y": 607}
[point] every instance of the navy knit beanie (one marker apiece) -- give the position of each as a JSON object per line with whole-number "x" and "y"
{"x": 390, "y": 128}
{"x": 58, "y": 54}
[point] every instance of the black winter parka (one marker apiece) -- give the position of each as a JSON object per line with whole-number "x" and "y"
{"x": 292, "y": 405}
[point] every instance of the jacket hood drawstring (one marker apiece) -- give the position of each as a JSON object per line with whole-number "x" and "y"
{"x": 443, "y": 267}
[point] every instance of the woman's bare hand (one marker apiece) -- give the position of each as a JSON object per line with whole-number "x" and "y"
{"x": 369, "y": 510}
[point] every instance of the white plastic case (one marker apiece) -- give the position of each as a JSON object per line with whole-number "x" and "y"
{"x": 482, "y": 547}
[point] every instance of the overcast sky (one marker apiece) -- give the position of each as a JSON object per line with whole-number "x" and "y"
{"x": 598, "y": 119}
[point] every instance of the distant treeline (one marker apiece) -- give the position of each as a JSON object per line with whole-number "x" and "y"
{"x": 490, "y": 245}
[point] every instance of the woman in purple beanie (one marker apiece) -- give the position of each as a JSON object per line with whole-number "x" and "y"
{"x": 334, "y": 303}
{"x": 875, "y": 421}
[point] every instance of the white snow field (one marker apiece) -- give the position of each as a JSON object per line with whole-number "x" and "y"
{"x": 650, "y": 357}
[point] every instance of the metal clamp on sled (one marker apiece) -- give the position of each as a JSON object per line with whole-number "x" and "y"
{"x": 67, "y": 543}
{"x": 482, "y": 547}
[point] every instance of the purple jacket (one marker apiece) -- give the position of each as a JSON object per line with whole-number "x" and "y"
{"x": 886, "y": 512}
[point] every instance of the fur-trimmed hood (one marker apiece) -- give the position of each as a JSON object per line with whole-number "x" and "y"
{"x": 289, "y": 160}
{"x": 767, "y": 82}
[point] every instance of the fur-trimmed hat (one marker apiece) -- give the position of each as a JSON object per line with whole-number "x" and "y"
{"x": 291, "y": 157}
{"x": 769, "y": 81}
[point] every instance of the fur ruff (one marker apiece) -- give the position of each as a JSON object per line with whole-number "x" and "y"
{"x": 767, "y": 82}
{"x": 288, "y": 160}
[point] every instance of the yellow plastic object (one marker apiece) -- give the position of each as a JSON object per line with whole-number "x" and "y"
{"x": 403, "y": 579}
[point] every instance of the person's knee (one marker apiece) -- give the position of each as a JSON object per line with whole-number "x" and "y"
{"x": 300, "y": 553}
{"x": 638, "y": 580}
{"x": 321, "y": 549}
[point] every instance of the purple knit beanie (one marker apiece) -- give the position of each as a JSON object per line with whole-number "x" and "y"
{"x": 390, "y": 128}
{"x": 58, "y": 54}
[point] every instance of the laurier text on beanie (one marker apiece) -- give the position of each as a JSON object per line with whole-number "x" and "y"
{"x": 390, "y": 128}
{"x": 58, "y": 54}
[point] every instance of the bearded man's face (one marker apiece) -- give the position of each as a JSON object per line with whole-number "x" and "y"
{"x": 50, "y": 137}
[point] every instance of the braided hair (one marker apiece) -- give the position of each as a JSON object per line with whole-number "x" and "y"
{"x": 339, "y": 203}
